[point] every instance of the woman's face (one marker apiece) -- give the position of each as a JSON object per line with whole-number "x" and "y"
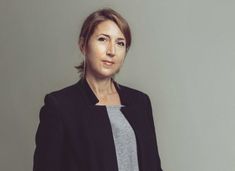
{"x": 105, "y": 51}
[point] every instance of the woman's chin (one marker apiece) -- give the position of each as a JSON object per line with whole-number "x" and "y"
{"x": 104, "y": 75}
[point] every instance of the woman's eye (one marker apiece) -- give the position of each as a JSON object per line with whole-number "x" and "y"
{"x": 121, "y": 43}
{"x": 101, "y": 39}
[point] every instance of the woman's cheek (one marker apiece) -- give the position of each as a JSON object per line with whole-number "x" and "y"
{"x": 101, "y": 48}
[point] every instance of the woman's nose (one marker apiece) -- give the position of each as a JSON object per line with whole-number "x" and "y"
{"x": 111, "y": 49}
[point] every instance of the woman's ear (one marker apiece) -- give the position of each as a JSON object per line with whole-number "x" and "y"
{"x": 81, "y": 45}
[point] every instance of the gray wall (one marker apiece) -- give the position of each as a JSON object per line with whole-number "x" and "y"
{"x": 183, "y": 56}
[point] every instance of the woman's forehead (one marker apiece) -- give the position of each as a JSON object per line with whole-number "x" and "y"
{"x": 110, "y": 28}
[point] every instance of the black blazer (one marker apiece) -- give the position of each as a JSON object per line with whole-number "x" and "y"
{"x": 74, "y": 134}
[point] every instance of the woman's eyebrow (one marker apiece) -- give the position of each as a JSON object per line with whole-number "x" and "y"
{"x": 106, "y": 35}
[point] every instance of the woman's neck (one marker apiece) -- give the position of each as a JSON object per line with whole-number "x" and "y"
{"x": 101, "y": 87}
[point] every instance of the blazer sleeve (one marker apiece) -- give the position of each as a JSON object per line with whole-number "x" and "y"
{"x": 151, "y": 122}
{"x": 49, "y": 138}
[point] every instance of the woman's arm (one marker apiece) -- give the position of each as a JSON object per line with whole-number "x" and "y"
{"x": 49, "y": 138}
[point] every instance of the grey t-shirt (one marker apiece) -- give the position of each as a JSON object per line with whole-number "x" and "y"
{"x": 124, "y": 139}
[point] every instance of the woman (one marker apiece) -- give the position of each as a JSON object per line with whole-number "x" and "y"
{"x": 97, "y": 124}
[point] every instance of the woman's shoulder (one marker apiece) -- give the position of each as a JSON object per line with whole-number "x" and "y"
{"x": 64, "y": 90}
{"x": 132, "y": 92}
{"x": 65, "y": 94}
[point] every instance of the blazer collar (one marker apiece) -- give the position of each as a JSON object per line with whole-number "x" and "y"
{"x": 91, "y": 97}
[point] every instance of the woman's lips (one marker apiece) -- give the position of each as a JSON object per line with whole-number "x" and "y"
{"x": 109, "y": 63}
